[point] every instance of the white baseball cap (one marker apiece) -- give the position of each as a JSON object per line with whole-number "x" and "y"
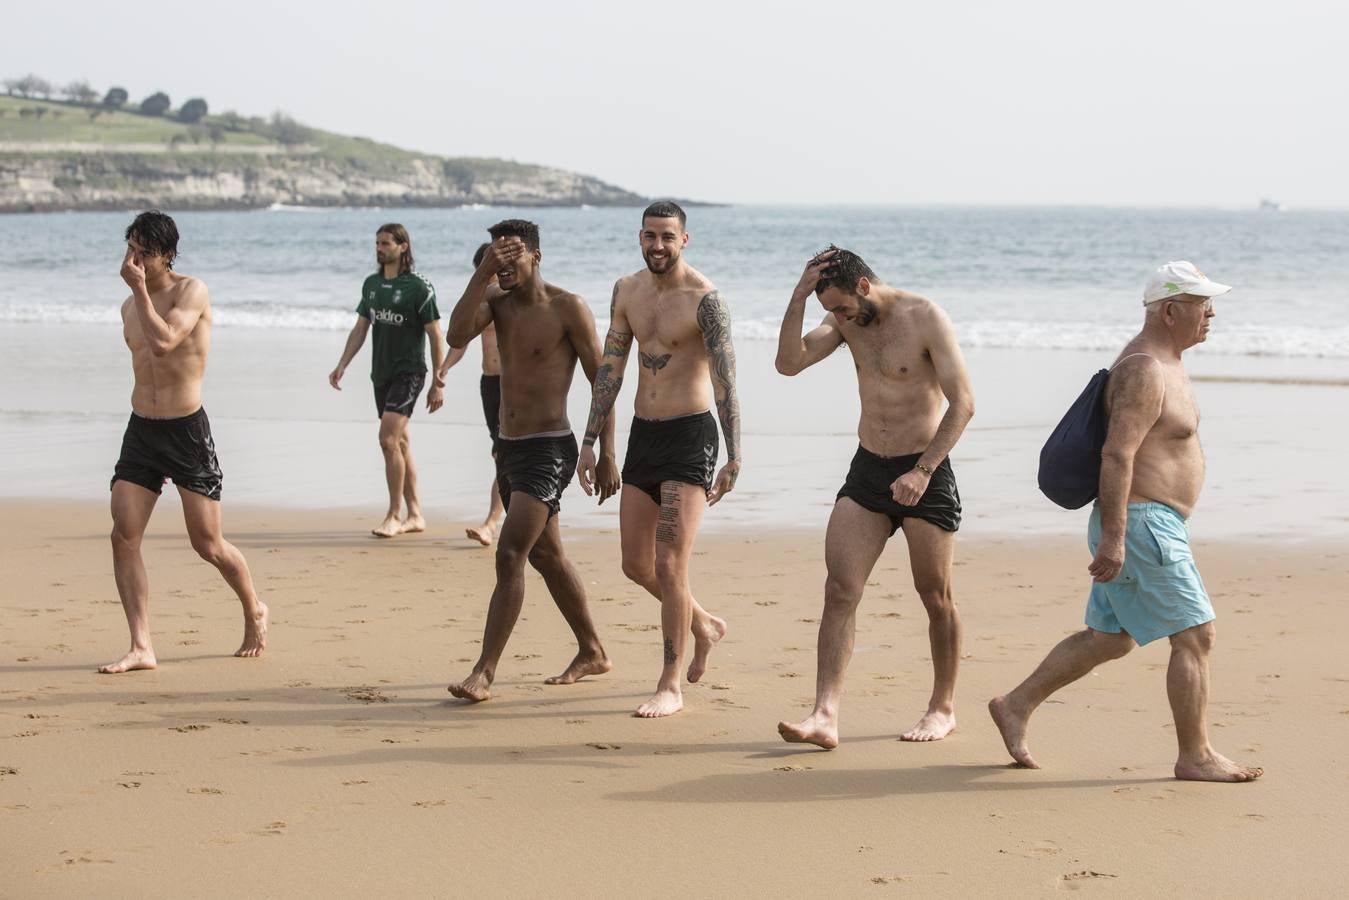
{"x": 1180, "y": 277}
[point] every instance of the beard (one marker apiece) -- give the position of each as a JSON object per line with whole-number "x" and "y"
{"x": 866, "y": 312}
{"x": 660, "y": 267}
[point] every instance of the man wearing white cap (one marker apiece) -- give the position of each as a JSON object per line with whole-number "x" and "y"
{"x": 1145, "y": 582}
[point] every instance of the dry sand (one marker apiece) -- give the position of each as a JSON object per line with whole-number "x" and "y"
{"x": 337, "y": 764}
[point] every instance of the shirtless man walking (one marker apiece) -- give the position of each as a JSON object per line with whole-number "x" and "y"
{"x": 542, "y": 331}
{"x": 907, "y": 362}
{"x": 1145, "y": 584}
{"x": 401, "y": 305}
{"x": 683, "y": 331}
{"x": 489, "y": 388}
{"x": 167, "y": 325}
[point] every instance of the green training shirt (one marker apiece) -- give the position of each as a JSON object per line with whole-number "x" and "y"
{"x": 399, "y": 310}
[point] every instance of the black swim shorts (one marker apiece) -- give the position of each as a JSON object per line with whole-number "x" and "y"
{"x": 400, "y": 395}
{"x": 541, "y": 467}
{"x": 868, "y": 485}
{"x": 682, "y": 449}
{"x": 490, "y": 389}
{"x": 182, "y": 449}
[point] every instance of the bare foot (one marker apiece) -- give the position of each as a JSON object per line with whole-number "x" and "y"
{"x": 412, "y": 525}
{"x": 1217, "y": 768}
{"x": 933, "y": 726}
{"x": 705, "y": 637}
{"x": 135, "y": 659}
{"x": 663, "y": 703}
{"x": 388, "y": 528}
{"x": 483, "y": 534}
{"x": 255, "y": 633}
{"x": 814, "y": 729}
{"x": 475, "y": 688}
{"x": 581, "y": 666}
{"x": 1012, "y": 725}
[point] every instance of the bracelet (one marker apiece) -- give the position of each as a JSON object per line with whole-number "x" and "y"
{"x": 926, "y": 470}
{"x": 589, "y": 440}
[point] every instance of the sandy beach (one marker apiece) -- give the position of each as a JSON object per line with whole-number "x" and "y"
{"x": 337, "y": 764}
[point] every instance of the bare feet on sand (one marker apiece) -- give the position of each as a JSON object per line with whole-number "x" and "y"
{"x": 814, "y": 729}
{"x": 255, "y": 633}
{"x": 412, "y": 525}
{"x": 1217, "y": 768}
{"x": 484, "y": 534}
{"x": 581, "y": 666}
{"x": 135, "y": 659}
{"x": 933, "y": 726}
{"x": 388, "y": 528}
{"x": 705, "y": 637}
{"x": 664, "y": 703}
{"x": 475, "y": 688}
{"x": 1012, "y": 725}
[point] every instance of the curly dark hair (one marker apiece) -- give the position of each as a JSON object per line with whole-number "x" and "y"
{"x": 156, "y": 234}
{"x": 480, "y": 253}
{"x": 525, "y": 230}
{"x": 665, "y": 209}
{"x": 844, "y": 271}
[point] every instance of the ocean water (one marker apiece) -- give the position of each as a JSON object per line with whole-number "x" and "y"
{"x": 1046, "y": 278}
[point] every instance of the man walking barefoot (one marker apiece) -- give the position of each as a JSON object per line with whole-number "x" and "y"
{"x": 1145, "y": 584}
{"x": 401, "y": 305}
{"x": 907, "y": 363}
{"x": 167, "y": 326}
{"x": 683, "y": 329}
{"x": 542, "y": 332}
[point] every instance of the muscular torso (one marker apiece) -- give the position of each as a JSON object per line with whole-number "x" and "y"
{"x": 537, "y": 362}
{"x": 491, "y": 356}
{"x": 167, "y": 386}
{"x": 673, "y": 377}
{"x": 902, "y": 400}
{"x": 1169, "y": 464}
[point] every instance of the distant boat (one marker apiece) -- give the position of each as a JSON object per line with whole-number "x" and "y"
{"x": 1268, "y": 205}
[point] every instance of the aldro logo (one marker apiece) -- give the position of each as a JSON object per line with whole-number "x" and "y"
{"x": 386, "y": 317}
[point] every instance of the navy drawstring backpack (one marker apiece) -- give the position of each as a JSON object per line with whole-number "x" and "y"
{"x": 1070, "y": 461}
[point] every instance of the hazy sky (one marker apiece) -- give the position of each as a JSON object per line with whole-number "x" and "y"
{"x": 1148, "y": 103}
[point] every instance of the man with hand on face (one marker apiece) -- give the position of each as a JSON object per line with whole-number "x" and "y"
{"x": 401, "y": 304}
{"x": 683, "y": 329}
{"x": 908, "y": 363}
{"x": 542, "y": 332}
{"x": 166, "y": 323}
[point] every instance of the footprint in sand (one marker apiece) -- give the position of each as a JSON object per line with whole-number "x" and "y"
{"x": 205, "y": 790}
{"x": 352, "y": 783}
{"x": 429, "y": 803}
{"x": 599, "y": 746}
{"x": 364, "y": 694}
{"x": 888, "y": 879}
{"x": 277, "y": 827}
{"x": 1084, "y": 875}
{"x": 577, "y": 721}
{"x": 129, "y": 784}
{"x": 765, "y": 603}
{"x": 791, "y": 768}
{"x": 232, "y": 721}
{"x": 187, "y": 728}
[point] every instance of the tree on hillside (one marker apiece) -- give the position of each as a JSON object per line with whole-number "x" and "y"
{"x": 12, "y": 85}
{"x": 156, "y": 104}
{"x": 41, "y": 86}
{"x": 80, "y": 92}
{"x": 285, "y": 130}
{"x": 115, "y": 97}
{"x": 193, "y": 110}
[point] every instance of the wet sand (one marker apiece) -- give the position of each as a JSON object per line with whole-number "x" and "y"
{"x": 338, "y": 764}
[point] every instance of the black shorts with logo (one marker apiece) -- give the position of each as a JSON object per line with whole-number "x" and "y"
{"x": 154, "y": 450}
{"x": 682, "y": 449}
{"x": 541, "y": 467}
{"x": 490, "y": 389}
{"x": 868, "y": 485}
{"x": 400, "y": 395}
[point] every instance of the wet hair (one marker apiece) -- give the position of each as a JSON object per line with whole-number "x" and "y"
{"x": 479, "y": 254}
{"x": 844, "y": 271}
{"x": 400, "y": 236}
{"x": 665, "y": 209}
{"x": 525, "y": 230}
{"x": 155, "y": 234}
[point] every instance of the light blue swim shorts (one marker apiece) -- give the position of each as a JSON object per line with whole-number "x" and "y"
{"x": 1158, "y": 592}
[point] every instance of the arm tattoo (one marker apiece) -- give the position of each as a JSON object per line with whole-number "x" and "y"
{"x": 653, "y": 362}
{"x": 714, "y": 320}
{"x": 608, "y": 379}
